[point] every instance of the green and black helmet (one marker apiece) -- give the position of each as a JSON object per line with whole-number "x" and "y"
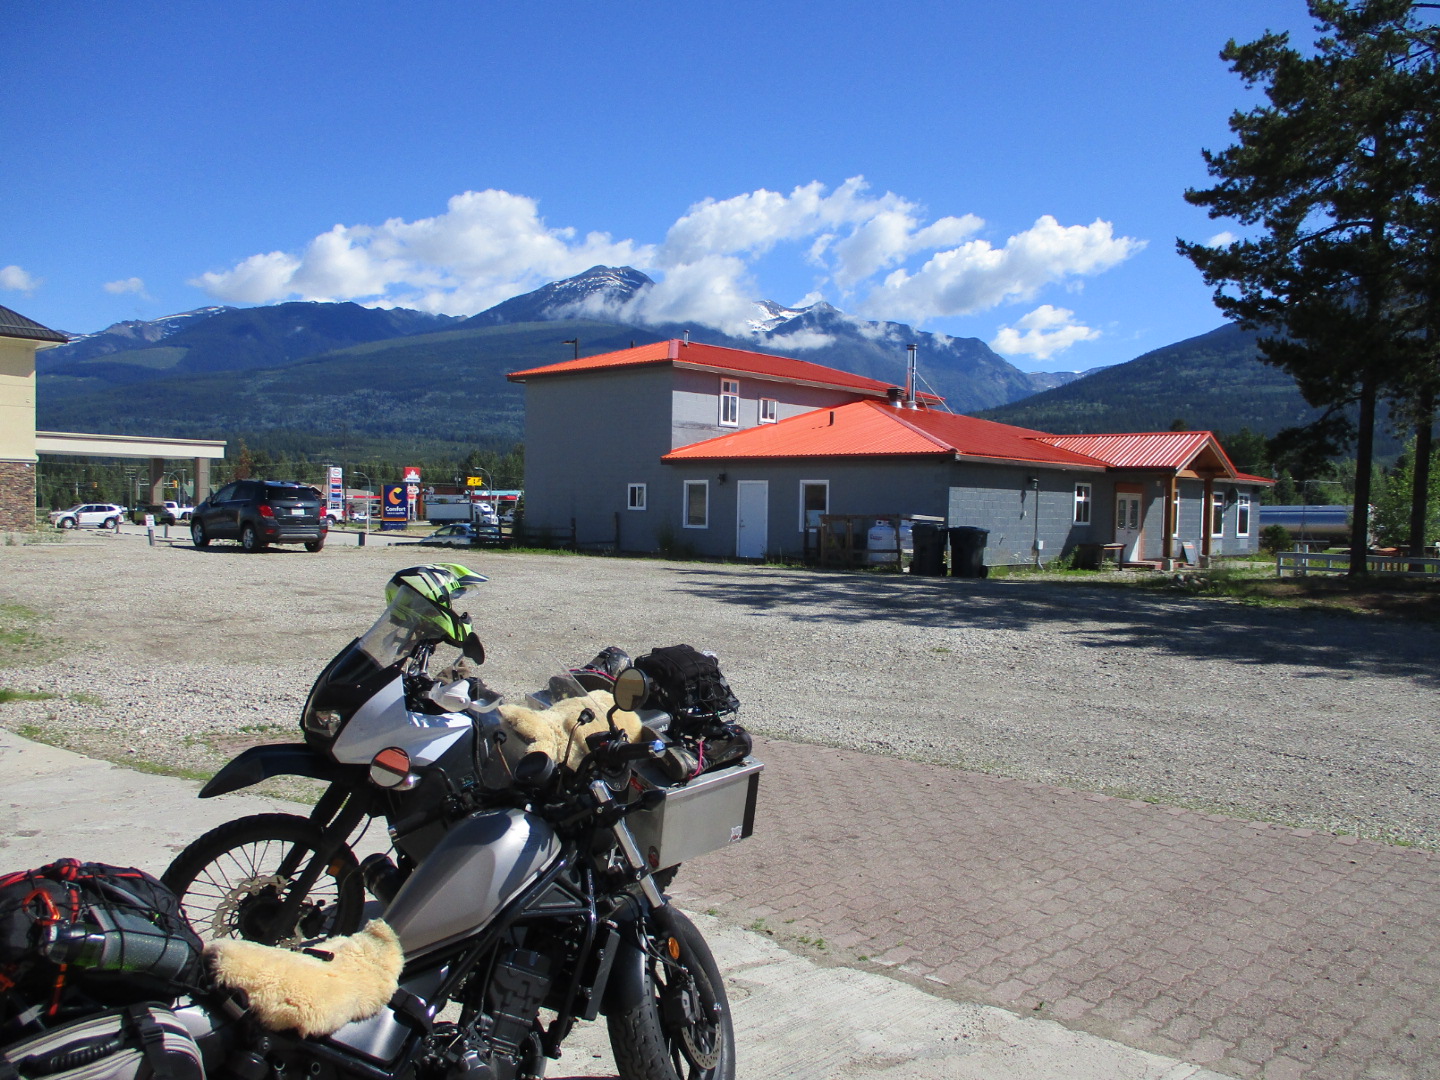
{"x": 438, "y": 584}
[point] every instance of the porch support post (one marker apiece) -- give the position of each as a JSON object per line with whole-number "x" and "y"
{"x": 1171, "y": 513}
{"x": 1205, "y": 511}
{"x": 202, "y": 478}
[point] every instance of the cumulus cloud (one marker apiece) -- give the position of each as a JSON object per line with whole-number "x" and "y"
{"x": 1222, "y": 239}
{"x": 977, "y": 276}
{"x": 125, "y": 285}
{"x": 486, "y": 247}
{"x": 490, "y": 245}
{"x": 1042, "y": 333}
{"x": 14, "y": 279}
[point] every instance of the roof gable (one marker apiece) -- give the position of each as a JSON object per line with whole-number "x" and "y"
{"x": 1196, "y": 450}
{"x": 718, "y": 358}
{"x": 15, "y": 325}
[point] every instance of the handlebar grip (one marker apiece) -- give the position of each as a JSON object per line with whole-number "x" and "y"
{"x": 637, "y": 751}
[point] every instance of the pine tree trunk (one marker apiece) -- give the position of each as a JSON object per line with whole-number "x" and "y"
{"x": 1364, "y": 463}
{"x": 1420, "y": 488}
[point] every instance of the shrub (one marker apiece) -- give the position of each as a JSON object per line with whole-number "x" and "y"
{"x": 1275, "y": 538}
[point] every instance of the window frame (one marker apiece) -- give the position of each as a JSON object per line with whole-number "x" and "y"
{"x": 815, "y": 483}
{"x": 729, "y": 402}
{"x": 1084, "y": 503}
{"x": 1242, "y": 514}
{"x": 773, "y": 411}
{"x": 704, "y": 486}
{"x": 630, "y": 501}
{"x": 1217, "y": 514}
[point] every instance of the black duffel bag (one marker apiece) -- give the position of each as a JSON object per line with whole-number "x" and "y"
{"x": 76, "y": 935}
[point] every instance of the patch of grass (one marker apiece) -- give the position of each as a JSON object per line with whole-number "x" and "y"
{"x": 20, "y": 642}
{"x": 30, "y": 731}
{"x": 84, "y": 697}
{"x": 162, "y": 769}
{"x": 759, "y": 926}
{"x": 263, "y": 729}
{"x": 24, "y": 695}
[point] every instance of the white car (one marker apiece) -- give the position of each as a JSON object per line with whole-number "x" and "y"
{"x": 88, "y": 516}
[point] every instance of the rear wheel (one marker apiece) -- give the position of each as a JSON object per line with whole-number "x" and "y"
{"x": 250, "y": 539}
{"x": 112, "y": 523}
{"x": 681, "y": 1028}
{"x": 198, "y": 536}
{"x": 314, "y": 545}
{"x": 235, "y": 879}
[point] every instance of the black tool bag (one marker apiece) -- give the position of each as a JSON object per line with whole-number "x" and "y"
{"x": 689, "y": 685}
{"x": 135, "y": 1042}
{"x": 76, "y": 936}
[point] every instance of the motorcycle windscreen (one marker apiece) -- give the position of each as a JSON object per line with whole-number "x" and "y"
{"x": 477, "y": 868}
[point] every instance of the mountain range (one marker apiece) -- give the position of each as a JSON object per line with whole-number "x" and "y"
{"x": 327, "y": 378}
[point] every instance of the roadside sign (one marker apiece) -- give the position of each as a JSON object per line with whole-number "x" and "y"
{"x": 474, "y": 481}
{"x": 411, "y": 474}
{"x": 394, "y": 507}
{"x": 335, "y": 497}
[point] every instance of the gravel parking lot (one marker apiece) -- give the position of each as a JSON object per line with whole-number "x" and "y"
{"x": 177, "y": 657}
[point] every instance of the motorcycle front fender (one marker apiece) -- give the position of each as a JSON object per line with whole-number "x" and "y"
{"x": 629, "y": 982}
{"x": 282, "y": 759}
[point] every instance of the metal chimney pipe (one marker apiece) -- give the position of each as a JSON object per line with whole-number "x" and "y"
{"x": 910, "y": 377}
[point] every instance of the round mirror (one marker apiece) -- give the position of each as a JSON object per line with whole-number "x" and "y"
{"x": 632, "y": 687}
{"x": 390, "y": 768}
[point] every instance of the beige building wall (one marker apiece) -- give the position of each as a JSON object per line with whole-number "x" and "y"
{"x": 17, "y": 400}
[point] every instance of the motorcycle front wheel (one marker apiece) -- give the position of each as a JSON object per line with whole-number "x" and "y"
{"x": 681, "y": 1027}
{"x": 234, "y": 880}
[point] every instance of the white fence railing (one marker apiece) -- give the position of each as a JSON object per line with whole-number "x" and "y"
{"x": 1301, "y": 563}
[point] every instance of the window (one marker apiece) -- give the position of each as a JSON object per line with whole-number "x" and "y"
{"x": 1242, "y": 515}
{"x": 730, "y": 402}
{"x": 814, "y": 501}
{"x": 1082, "y": 504}
{"x": 697, "y": 504}
{"x": 769, "y": 410}
{"x": 1217, "y": 514}
{"x": 635, "y": 500}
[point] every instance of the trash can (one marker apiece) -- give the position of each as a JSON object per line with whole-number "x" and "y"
{"x": 1089, "y": 556}
{"x": 967, "y": 551}
{"x": 929, "y": 558}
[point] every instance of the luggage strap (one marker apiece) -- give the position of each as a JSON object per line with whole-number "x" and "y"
{"x": 152, "y": 1041}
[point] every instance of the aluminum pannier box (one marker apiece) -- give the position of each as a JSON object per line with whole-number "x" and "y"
{"x": 713, "y": 810}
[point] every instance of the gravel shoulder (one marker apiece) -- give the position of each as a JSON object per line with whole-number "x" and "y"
{"x": 174, "y": 658}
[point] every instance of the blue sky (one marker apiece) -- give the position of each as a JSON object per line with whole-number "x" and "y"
{"x": 1011, "y": 172}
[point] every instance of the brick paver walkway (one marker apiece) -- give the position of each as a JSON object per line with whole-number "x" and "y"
{"x": 1256, "y": 950}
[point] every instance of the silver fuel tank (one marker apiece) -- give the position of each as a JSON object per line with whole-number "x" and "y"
{"x": 476, "y": 869}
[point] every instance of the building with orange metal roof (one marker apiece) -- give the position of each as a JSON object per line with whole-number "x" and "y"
{"x": 684, "y": 446}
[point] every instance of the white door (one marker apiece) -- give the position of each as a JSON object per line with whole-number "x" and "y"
{"x": 752, "y": 518}
{"x": 1127, "y": 526}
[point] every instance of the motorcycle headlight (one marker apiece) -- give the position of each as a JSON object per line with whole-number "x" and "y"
{"x": 323, "y": 722}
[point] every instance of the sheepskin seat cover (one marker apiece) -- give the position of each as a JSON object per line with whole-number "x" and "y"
{"x": 311, "y": 995}
{"x": 558, "y": 731}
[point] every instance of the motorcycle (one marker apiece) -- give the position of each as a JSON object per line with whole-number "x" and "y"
{"x": 520, "y": 882}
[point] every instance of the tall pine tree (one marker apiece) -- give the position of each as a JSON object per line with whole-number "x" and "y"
{"x": 1325, "y": 174}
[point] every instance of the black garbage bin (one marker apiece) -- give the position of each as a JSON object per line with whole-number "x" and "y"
{"x": 929, "y": 558}
{"x": 967, "y": 551}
